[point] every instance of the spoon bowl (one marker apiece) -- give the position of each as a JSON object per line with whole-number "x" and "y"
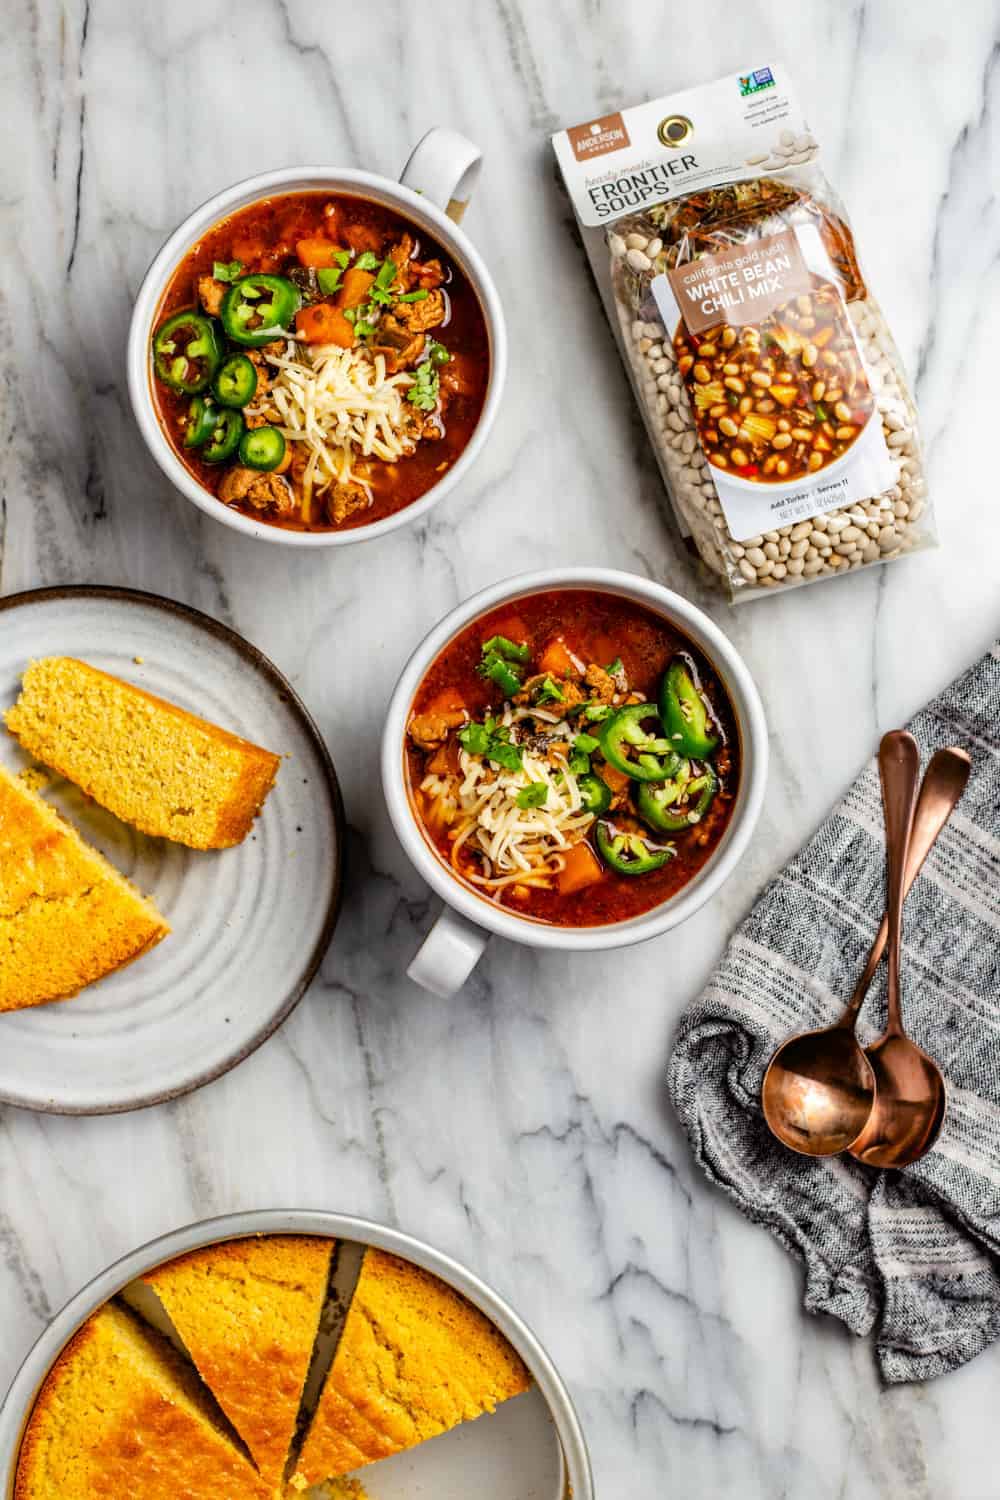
{"x": 818, "y": 1091}
{"x": 908, "y": 1111}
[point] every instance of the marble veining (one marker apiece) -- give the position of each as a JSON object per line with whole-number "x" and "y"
{"x": 522, "y": 1126}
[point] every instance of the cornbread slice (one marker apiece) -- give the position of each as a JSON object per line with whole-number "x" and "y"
{"x": 66, "y": 916}
{"x": 152, "y": 764}
{"x": 122, "y": 1417}
{"x": 248, "y": 1313}
{"x": 414, "y": 1360}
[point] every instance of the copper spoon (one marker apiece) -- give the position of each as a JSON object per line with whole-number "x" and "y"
{"x": 819, "y": 1087}
{"x": 909, "y": 1087}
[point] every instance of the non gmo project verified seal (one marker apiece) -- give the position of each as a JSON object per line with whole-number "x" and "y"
{"x": 752, "y": 83}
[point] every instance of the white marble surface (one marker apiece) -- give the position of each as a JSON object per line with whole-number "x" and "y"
{"x": 523, "y": 1125}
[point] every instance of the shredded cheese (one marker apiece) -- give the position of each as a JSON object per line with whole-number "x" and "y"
{"x": 340, "y": 404}
{"x": 517, "y": 844}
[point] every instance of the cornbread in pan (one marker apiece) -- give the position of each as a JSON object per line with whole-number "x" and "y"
{"x": 122, "y": 1417}
{"x": 414, "y": 1360}
{"x": 248, "y": 1313}
{"x": 152, "y": 764}
{"x": 67, "y": 917}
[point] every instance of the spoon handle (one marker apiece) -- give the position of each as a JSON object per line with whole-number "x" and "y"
{"x": 944, "y": 782}
{"x": 899, "y": 767}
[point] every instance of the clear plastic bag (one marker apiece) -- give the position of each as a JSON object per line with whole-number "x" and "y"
{"x": 778, "y": 411}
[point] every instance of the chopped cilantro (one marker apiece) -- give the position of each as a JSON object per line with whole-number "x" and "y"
{"x": 491, "y": 741}
{"x": 366, "y": 261}
{"x": 475, "y": 738}
{"x": 616, "y": 666}
{"x": 504, "y": 674}
{"x": 586, "y": 744}
{"x": 508, "y": 757}
{"x": 226, "y": 270}
{"x": 342, "y": 258}
{"x": 386, "y": 275}
{"x": 423, "y": 393}
{"x": 437, "y": 353}
{"x": 579, "y": 764}
{"x": 548, "y": 692}
{"x": 534, "y": 795}
{"x": 595, "y": 712}
{"x": 328, "y": 279}
{"x": 417, "y": 296}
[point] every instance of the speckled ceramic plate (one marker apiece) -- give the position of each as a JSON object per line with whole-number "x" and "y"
{"x": 250, "y": 924}
{"x": 531, "y": 1448}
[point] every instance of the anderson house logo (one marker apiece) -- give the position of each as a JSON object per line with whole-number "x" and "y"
{"x": 598, "y": 137}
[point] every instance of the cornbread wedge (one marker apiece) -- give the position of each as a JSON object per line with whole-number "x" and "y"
{"x": 248, "y": 1313}
{"x": 414, "y": 1360}
{"x": 152, "y": 764}
{"x": 67, "y": 917}
{"x": 121, "y": 1415}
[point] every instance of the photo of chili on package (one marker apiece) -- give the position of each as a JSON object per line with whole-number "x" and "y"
{"x": 770, "y": 384}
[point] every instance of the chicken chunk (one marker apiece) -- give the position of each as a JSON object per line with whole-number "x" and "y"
{"x": 601, "y": 684}
{"x": 419, "y": 426}
{"x": 345, "y": 499}
{"x": 429, "y": 731}
{"x": 401, "y": 255}
{"x": 261, "y": 491}
{"x": 419, "y": 316}
{"x": 429, "y": 273}
{"x": 210, "y": 294}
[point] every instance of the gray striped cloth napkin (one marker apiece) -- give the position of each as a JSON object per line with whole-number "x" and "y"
{"x": 913, "y": 1254}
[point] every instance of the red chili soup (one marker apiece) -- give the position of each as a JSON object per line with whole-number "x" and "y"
{"x": 573, "y": 757}
{"x": 319, "y": 363}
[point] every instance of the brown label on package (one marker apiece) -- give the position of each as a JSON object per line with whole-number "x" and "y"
{"x": 598, "y": 137}
{"x": 742, "y": 285}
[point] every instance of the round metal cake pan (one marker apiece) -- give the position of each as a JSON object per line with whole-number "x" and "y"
{"x": 575, "y": 1479}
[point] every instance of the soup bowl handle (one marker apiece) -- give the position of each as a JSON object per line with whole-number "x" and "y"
{"x": 448, "y": 954}
{"x": 444, "y": 168}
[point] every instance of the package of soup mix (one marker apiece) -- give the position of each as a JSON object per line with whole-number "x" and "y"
{"x": 771, "y": 387}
